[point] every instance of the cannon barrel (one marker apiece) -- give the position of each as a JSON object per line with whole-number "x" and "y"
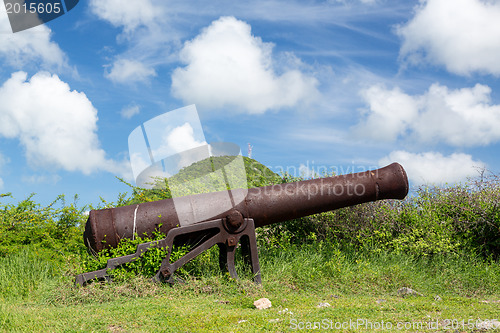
{"x": 265, "y": 205}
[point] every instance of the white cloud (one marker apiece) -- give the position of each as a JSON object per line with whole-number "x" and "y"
{"x": 26, "y": 47}
{"x": 434, "y": 168}
{"x": 391, "y": 112}
{"x": 176, "y": 151}
{"x": 182, "y": 138}
{"x": 461, "y": 117}
{"x": 461, "y": 35}
{"x": 177, "y": 140}
{"x": 130, "y": 111}
{"x": 55, "y": 125}
{"x": 128, "y": 71}
{"x": 227, "y": 66}
{"x": 128, "y": 14}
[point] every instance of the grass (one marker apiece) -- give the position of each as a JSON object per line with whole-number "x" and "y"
{"x": 22, "y": 273}
{"x": 182, "y": 312}
{"x": 357, "y": 284}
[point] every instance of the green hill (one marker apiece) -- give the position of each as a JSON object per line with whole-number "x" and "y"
{"x": 209, "y": 175}
{"x": 257, "y": 174}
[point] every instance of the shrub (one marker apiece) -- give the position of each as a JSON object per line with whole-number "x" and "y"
{"x": 432, "y": 220}
{"x": 147, "y": 265}
{"x": 57, "y": 230}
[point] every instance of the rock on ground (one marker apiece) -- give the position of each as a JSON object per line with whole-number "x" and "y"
{"x": 407, "y": 291}
{"x": 262, "y": 303}
{"x": 323, "y": 305}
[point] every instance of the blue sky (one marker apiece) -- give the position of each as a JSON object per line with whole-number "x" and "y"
{"x": 311, "y": 85}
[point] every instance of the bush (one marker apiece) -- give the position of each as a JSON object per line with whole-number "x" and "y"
{"x": 433, "y": 220}
{"x": 57, "y": 230}
{"x": 147, "y": 265}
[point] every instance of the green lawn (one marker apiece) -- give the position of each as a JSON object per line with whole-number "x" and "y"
{"x": 360, "y": 287}
{"x": 183, "y": 310}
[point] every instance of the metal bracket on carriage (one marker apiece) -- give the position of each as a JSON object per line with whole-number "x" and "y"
{"x": 226, "y": 232}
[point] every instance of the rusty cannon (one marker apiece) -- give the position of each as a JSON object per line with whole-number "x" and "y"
{"x": 228, "y": 218}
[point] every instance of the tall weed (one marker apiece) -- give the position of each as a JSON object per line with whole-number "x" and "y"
{"x": 23, "y": 272}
